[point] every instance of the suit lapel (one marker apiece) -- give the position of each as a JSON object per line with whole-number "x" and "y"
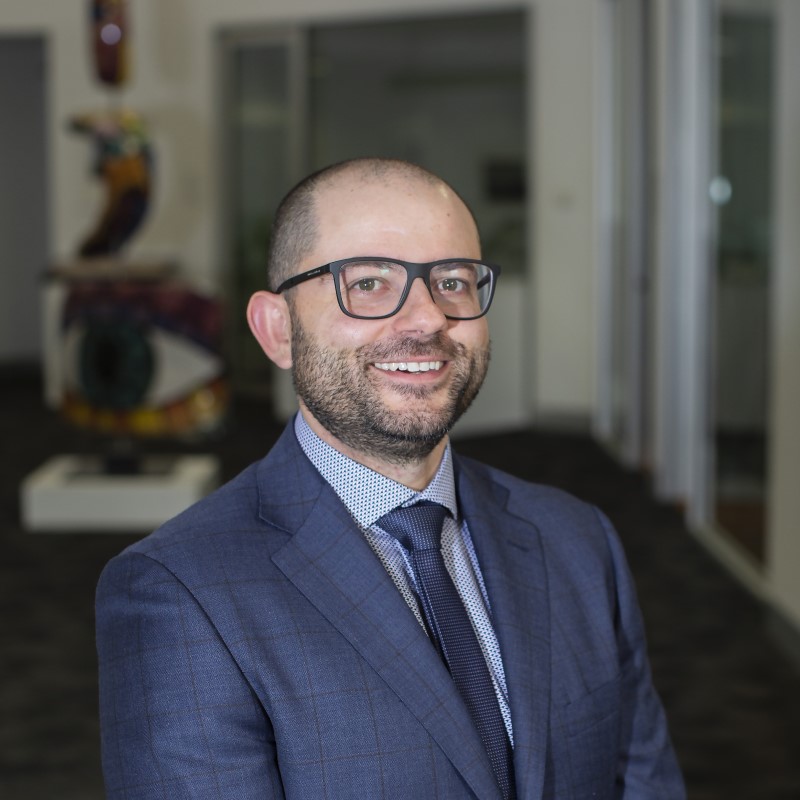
{"x": 330, "y": 562}
{"x": 512, "y": 563}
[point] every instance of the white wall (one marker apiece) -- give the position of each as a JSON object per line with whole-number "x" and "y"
{"x": 561, "y": 232}
{"x": 174, "y": 84}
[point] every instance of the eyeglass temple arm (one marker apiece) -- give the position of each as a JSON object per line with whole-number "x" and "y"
{"x": 303, "y": 276}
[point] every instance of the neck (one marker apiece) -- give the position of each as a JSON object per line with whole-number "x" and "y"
{"x": 416, "y": 474}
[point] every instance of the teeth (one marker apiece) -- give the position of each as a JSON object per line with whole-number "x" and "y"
{"x": 409, "y": 366}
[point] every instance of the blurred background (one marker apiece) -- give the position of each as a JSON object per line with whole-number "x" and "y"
{"x": 635, "y": 168}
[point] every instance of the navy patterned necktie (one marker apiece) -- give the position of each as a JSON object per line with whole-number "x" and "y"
{"x": 419, "y": 528}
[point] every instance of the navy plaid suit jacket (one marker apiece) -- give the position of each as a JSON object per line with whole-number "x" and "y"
{"x": 254, "y": 647}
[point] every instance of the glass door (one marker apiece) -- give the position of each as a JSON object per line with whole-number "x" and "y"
{"x": 445, "y": 92}
{"x": 741, "y": 192}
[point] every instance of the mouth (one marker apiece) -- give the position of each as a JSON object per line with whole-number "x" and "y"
{"x": 409, "y": 366}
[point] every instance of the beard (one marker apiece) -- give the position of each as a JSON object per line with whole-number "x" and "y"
{"x": 338, "y": 388}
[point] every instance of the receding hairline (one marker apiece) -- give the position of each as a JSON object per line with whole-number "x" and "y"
{"x": 377, "y": 169}
{"x": 296, "y": 225}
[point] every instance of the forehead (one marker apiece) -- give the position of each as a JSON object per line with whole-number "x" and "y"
{"x": 411, "y": 219}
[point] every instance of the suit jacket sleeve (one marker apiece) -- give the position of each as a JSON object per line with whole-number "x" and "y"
{"x": 178, "y": 719}
{"x": 647, "y": 768}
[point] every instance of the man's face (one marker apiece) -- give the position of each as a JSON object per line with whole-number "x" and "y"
{"x": 344, "y": 369}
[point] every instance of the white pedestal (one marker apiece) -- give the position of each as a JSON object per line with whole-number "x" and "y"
{"x": 72, "y": 493}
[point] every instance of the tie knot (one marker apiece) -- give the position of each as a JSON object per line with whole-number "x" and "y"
{"x": 417, "y": 527}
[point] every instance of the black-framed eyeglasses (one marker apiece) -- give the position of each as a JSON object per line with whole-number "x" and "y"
{"x": 369, "y": 287}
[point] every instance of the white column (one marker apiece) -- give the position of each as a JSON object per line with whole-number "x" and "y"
{"x": 683, "y": 231}
{"x": 783, "y": 553}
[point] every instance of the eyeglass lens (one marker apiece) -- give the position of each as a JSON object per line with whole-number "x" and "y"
{"x": 375, "y": 288}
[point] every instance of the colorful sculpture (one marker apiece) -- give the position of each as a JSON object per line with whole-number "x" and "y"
{"x": 124, "y": 162}
{"x": 140, "y": 352}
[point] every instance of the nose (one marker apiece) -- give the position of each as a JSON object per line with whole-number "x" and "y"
{"x": 419, "y": 313}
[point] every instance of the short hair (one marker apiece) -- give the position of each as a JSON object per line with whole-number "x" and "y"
{"x": 294, "y": 228}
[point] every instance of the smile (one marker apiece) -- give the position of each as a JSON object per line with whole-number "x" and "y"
{"x": 409, "y": 366}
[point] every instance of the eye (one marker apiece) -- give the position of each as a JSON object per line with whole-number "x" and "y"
{"x": 458, "y": 279}
{"x": 372, "y": 277}
{"x": 367, "y": 284}
{"x": 448, "y": 285}
{"x": 142, "y": 360}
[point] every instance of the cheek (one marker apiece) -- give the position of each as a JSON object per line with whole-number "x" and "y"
{"x": 328, "y": 325}
{"x": 474, "y": 334}
{"x": 354, "y": 334}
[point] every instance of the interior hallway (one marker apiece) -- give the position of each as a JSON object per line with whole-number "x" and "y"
{"x": 732, "y": 696}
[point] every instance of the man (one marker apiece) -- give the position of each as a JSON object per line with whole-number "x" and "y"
{"x": 297, "y": 635}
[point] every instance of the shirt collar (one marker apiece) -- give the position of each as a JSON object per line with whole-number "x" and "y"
{"x": 367, "y": 494}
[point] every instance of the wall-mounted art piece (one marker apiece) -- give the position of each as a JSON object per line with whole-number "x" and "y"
{"x": 110, "y": 40}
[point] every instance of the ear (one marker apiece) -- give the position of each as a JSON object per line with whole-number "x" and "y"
{"x": 269, "y": 320}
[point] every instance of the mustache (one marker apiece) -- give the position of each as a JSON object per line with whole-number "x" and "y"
{"x": 437, "y": 344}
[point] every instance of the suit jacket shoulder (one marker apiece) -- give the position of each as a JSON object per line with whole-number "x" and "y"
{"x": 278, "y": 490}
